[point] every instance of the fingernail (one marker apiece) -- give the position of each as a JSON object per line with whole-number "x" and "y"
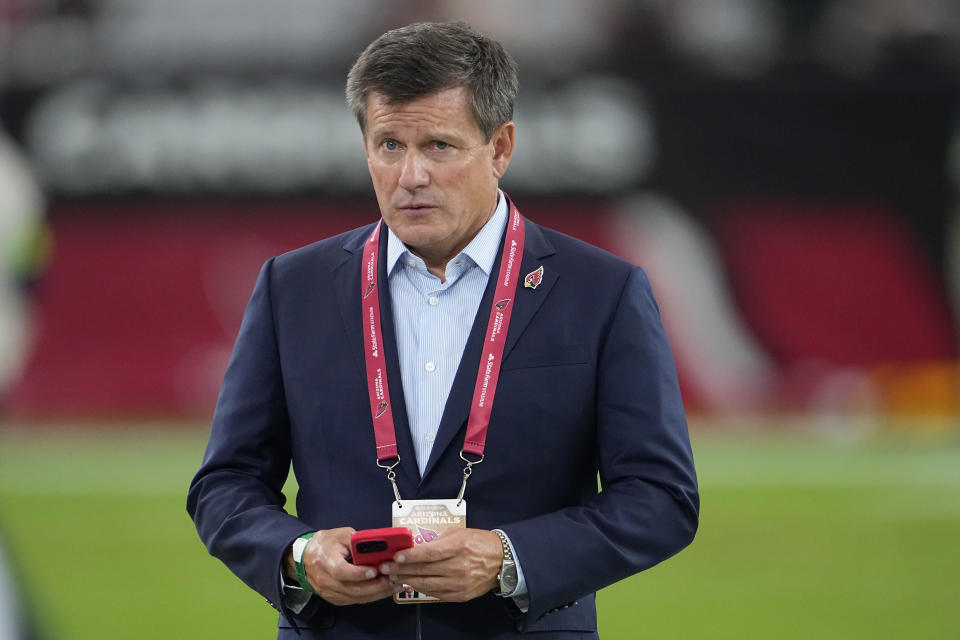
{"x": 401, "y": 558}
{"x": 385, "y": 568}
{"x": 371, "y": 573}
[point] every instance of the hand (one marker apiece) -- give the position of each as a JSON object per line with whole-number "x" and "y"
{"x": 461, "y": 564}
{"x": 332, "y": 577}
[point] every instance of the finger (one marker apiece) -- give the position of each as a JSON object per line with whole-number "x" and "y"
{"x": 438, "y": 568}
{"x": 447, "y": 546}
{"x": 452, "y": 543}
{"x": 353, "y": 575}
{"x": 358, "y": 593}
{"x": 439, "y": 549}
{"x": 379, "y": 587}
{"x": 346, "y": 572}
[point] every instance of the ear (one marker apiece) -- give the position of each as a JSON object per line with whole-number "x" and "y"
{"x": 502, "y": 141}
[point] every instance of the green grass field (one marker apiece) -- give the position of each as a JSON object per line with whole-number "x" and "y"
{"x": 798, "y": 538}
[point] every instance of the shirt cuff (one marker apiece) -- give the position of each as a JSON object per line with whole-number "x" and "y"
{"x": 294, "y": 596}
{"x": 520, "y": 596}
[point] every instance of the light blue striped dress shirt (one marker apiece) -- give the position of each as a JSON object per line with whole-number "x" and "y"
{"x": 432, "y": 320}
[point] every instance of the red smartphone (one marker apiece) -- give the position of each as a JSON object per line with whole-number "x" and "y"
{"x": 373, "y": 546}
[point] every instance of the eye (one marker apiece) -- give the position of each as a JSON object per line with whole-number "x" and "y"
{"x": 391, "y": 145}
{"x": 440, "y": 145}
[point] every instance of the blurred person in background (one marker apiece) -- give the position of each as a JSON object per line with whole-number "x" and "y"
{"x": 24, "y": 246}
{"x": 14, "y": 622}
{"x": 359, "y": 355}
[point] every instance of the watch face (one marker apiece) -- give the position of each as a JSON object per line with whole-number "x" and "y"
{"x": 508, "y": 579}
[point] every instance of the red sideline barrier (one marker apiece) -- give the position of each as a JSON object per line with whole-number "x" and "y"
{"x": 141, "y": 304}
{"x": 841, "y": 283}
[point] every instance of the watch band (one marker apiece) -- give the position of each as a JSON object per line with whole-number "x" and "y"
{"x": 298, "y": 548}
{"x": 509, "y": 566}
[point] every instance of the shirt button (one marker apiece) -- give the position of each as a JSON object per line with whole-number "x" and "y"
{"x": 411, "y": 263}
{"x": 431, "y": 436}
{"x": 430, "y": 366}
{"x": 434, "y": 301}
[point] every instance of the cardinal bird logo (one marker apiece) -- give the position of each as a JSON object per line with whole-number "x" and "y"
{"x": 425, "y": 535}
{"x": 502, "y": 304}
{"x": 370, "y": 287}
{"x": 532, "y": 280}
{"x": 381, "y": 408}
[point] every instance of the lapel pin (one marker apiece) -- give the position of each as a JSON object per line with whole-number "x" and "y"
{"x": 532, "y": 280}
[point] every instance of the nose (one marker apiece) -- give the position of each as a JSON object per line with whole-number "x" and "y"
{"x": 413, "y": 173}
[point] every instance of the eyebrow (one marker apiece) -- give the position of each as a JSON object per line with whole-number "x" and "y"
{"x": 446, "y": 136}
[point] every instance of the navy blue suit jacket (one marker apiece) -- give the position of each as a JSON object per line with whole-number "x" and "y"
{"x": 587, "y": 385}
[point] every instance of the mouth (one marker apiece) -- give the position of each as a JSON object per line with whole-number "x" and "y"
{"x": 417, "y": 207}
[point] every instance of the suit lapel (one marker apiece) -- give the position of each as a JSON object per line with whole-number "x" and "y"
{"x": 346, "y": 279}
{"x": 528, "y": 301}
{"x": 536, "y": 247}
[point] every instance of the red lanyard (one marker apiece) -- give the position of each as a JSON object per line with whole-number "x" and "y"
{"x": 488, "y": 372}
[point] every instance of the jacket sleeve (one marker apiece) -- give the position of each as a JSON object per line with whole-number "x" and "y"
{"x": 648, "y": 507}
{"x": 235, "y": 499}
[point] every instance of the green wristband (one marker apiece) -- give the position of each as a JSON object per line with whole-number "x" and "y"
{"x": 302, "y": 570}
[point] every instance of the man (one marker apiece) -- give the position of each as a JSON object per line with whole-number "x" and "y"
{"x": 383, "y": 394}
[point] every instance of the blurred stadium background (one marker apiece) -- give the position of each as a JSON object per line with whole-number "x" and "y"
{"x": 787, "y": 172}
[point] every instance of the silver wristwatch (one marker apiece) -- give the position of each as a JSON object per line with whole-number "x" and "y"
{"x": 507, "y": 578}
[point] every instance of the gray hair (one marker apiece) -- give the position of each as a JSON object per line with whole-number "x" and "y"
{"x": 420, "y": 59}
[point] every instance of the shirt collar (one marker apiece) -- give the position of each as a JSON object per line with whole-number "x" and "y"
{"x": 482, "y": 250}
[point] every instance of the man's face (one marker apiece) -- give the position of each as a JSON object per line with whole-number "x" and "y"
{"x": 434, "y": 175}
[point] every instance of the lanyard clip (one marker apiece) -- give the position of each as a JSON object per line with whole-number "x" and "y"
{"x": 467, "y": 471}
{"x": 392, "y": 476}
